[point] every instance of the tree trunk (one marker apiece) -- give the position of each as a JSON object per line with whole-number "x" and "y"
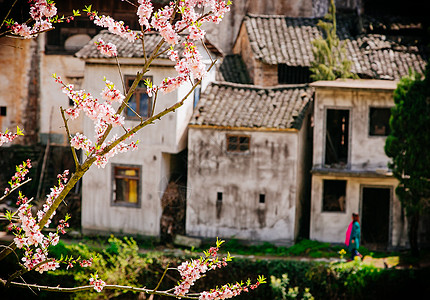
{"x": 414, "y": 219}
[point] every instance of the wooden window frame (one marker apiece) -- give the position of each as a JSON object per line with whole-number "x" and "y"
{"x": 238, "y": 144}
{"x": 128, "y": 80}
{"x": 138, "y": 178}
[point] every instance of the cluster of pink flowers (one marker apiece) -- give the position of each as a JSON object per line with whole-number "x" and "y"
{"x": 107, "y": 49}
{"x": 28, "y": 235}
{"x": 19, "y": 176}
{"x": 161, "y": 22}
{"x": 42, "y": 12}
{"x": 115, "y": 27}
{"x": 97, "y": 283}
{"x": 191, "y": 271}
{"x": 103, "y": 115}
{"x": 111, "y": 94}
{"x": 7, "y": 137}
{"x": 227, "y": 291}
{"x": 50, "y": 198}
{"x": 144, "y": 12}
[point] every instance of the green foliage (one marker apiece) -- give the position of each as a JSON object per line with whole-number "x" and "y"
{"x": 308, "y": 248}
{"x": 407, "y": 146}
{"x": 330, "y": 60}
{"x": 120, "y": 263}
{"x": 282, "y": 291}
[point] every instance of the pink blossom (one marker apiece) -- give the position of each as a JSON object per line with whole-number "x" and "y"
{"x": 98, "y": 283}
{"x": 196, "y": 33}
{"x": 22, "y": 30}
{"x": 144, "y": 12}
{"x": 107, "y": 49}
{"x": 115, "y": 27}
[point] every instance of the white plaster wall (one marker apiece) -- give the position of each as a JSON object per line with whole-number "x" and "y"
{"x": 52, "y": 97}
{"x": 99, "y": 215}
{"x": 269, "y": 168}
{"x": 331, "y": 226}
{"x": 156, "y": 142}
{"x": 365, "y": 152}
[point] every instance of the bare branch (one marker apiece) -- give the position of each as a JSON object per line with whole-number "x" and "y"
{"x": 75, "y": 157}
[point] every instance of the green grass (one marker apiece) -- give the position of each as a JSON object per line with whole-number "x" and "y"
{"x": 303, "y": 248}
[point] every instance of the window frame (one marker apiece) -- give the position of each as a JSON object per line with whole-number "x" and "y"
{"x": 348, "y": 132}
{"x": 139, "y": 185}
{"x": 137, "y": 92}
{"x": 238, "y": 136}
{"x": 323, "y": 196}
{"x": 387, "y": 130}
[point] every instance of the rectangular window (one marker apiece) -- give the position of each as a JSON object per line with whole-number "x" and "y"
{"x": 140, "y": 103}
{"x": 126, "y": 185}
{"x": 3, "y": 111}
{"x": 262, "y": 198}
{"x": 334, "y": 195}
{"x": 337, "y": 136}
{"x": 219, "y": 197}
{"x": 379, "y": 118}
{"x": 238, "y": 143}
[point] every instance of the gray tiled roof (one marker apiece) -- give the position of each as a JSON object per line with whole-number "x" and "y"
{"x": 233, "y": 69}
{"x": 233, "y": 105}
{"x": 124, "y": 48}
{"x": 285, "y": 40}
{"x": 127, "y": 49}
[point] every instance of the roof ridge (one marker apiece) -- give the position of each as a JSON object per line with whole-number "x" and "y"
{"x": 251, "y": 15}
{"x": 259, "y": 87}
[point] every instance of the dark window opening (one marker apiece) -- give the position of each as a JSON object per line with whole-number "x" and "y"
{"x": 219, "y": 197}
{"x": 238, "y": 143}
{"x": 293, "y": 75}
{"x": 140, "y": 104}
{"x": 3, "y": 111}
{"x": 334, "y": 195}
{"x": 337, "y": 136}
{"x": 262, "y": 198}
{"x": 126, "y": 185}
{"x": 379, "y": 119}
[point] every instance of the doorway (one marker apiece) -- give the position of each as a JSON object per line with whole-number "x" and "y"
{"x": 375, "y": 217}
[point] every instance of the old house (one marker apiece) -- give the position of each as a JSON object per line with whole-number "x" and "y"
{"x": 277, "y": 50}
{"x": 349, "y": 172}
{"x": 246, "y": 160}
{"x": 126, "y": 195}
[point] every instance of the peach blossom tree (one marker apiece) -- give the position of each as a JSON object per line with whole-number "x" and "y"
{"x": 179, "y": 25}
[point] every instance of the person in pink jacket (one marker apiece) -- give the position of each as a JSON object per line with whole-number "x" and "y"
{"x": 352, "y": 238}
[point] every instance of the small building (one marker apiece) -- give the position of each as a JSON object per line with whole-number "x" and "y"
{"x": 247, "y": 161}
{"x": 349, "y": 172}
{"x": 126, "y": 195}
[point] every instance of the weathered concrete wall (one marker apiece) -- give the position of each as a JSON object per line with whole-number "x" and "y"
{"x": 15, "y": 60}
{"x": 71, "y": 70}
{"x": 97, "y": 211}
{"x": 156, "y": 142}
{"x": 269, "y": 168}
{"x": 331, "y": 226}
{"x": 365, "y": 152}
